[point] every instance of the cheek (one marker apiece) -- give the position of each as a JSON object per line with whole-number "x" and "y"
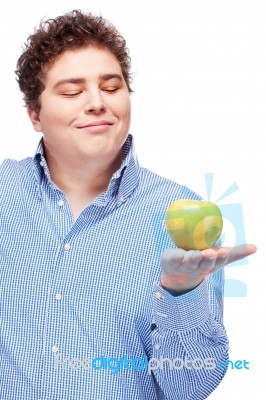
{"x": 47, "y": 121}
{"x": 54, "y": 116}
{"x": 119, "y": 104}
{"x": 51, "y": 125}
{"x": 125, "y": 110}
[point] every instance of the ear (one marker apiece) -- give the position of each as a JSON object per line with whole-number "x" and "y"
{"x": 35, "y": 119}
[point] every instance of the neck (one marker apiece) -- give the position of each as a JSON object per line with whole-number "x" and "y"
{"x": 82, "y": 182}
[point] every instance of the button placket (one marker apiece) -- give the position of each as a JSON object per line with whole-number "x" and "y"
{"x": 54, "y": 349}
{"x": 58, "y": 296}
{"x": 121, "y": 199}
{"x": 158, "y": 295}
{"x": 67, "y": 247}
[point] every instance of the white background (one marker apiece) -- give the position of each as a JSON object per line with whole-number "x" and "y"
{"x": 199, "y": 106}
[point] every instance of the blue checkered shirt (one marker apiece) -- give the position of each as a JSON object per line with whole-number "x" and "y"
{"x": 83, "y": 314}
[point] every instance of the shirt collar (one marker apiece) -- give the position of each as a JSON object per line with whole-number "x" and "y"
{"x": 124, "y": 180}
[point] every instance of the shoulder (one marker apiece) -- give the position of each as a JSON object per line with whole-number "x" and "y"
{"x": 13, "y": 174}
{"x": 162, "y": 187}
{"x": 10, "y": 168}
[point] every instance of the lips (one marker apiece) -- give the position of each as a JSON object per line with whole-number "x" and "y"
{"x": 96, "y": 123}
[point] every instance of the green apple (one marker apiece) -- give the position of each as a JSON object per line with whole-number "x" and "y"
{"x": 194, "y": 225}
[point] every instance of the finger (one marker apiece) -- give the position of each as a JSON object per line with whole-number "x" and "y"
{"x": 172, "y": 258}
{"x": 221, "y": 261}
{"x": 241, "y": 251}
{"x": 212, "y": 251}
{"x": 207, "y": 265}
{"x": 214, "y": 259}
{"x": 192, "y": 259}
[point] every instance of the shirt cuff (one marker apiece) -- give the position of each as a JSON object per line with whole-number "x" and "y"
{"x": 181, "y": 313}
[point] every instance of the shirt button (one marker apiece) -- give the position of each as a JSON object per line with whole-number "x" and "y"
{"x": 42, "y": 163}
{"x": 61, "y": 203}
{"x": 67, "y": 246}
{"x": 54, "y": 349}
{"x": 121, "y": 199}
{"x": 58, "y": 296}
{"x": 157, "y": 346}
{"x": 158, "y": 295}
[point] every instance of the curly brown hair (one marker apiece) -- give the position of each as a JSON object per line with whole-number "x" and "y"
{"x": 72, "y": 30}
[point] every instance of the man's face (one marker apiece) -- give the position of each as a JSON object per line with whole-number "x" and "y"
{"x": 85, "y": 107}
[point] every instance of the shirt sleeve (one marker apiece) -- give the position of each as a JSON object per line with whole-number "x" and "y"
{"x": 189, "y": 340}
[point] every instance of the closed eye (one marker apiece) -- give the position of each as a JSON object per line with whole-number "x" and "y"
{"x": 71, "y": 94}
{"x": 110, "y": 90}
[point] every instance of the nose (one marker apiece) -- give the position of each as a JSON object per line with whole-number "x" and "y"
{"x": 95, "y": 103}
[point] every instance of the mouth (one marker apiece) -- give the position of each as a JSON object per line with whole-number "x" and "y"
{"x": 96, "y": 126}
{"x": 96, "y": 123}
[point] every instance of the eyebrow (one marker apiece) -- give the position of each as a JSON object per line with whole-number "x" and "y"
{"x": 102, "y": 77}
